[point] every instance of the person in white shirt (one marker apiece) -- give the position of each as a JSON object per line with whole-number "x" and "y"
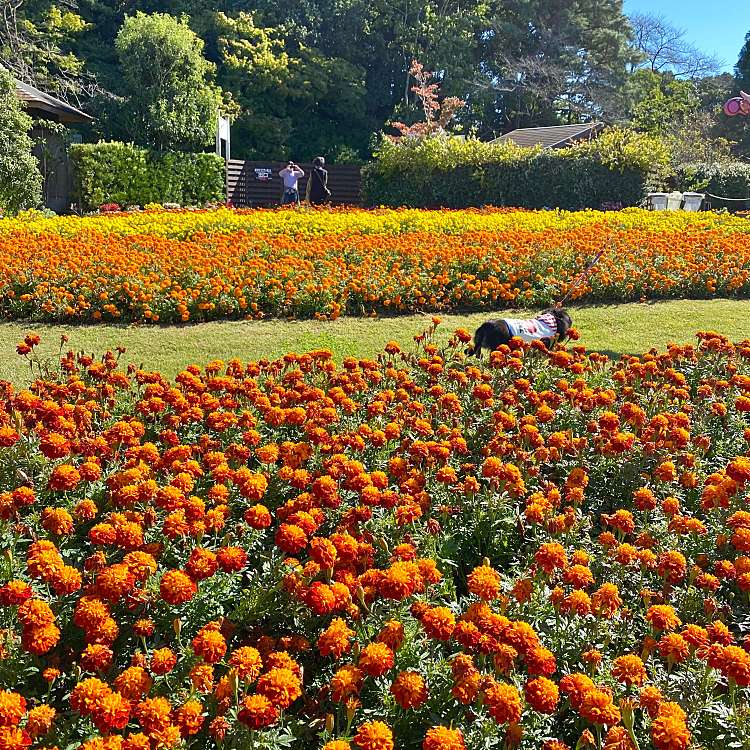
{"x": 290, "y": 176}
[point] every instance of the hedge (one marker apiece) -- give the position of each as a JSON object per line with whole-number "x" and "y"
{"x": 618, "y": 168}
{"x": 133, "y": 176}
{"x": 727, "y": 179}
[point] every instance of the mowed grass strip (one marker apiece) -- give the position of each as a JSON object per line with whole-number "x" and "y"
{"x": 612, "y": 329}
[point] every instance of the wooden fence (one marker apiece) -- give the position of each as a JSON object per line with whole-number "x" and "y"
{"x": 257, "y": 183}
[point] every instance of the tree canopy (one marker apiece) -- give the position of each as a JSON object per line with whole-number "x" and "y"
{"x": 322, "y": 76}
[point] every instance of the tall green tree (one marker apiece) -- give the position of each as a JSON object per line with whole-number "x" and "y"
{"x": 293, "y": 100}
{"x": 171, "y": 101}
{"x": 20, "y": 179}
{"x": 547, "y": 61}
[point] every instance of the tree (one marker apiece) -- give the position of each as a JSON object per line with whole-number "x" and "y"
{"x": 663, "y": 48}
{"x": 660, "y": 102}
{"x": 293, "y": 100}
{"x": 547, "y": 61}
{"x": 20, "y": 179}
{"x": 171, "y": 101}
{"x": 37, "y": 41}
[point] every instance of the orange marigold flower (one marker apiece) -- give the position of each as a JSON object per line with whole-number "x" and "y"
{"x": 484, "y": 582}
{"x": 13, "y": 738}
{"x": 210, "y": 644}
{"x": 503, "y": 702}
{"x": 374, "y": 735}
{"x": 133, "y": 683}
{"x": 247, "y": 661}
{"x": 201, "y": 564}
{"x": 673, "y": 647}
{"x": 598, "y": 708}
{"x": 551, "y": 556}
{"x": 39, "y": 720}
{"x": 163, "y": 661}
{"x": 231, "y": 559}
{"x": 606, "y": 600}
{"x": 542, "y": 695}
{"x": 14, "y": 593}
{"x": 409, "y": 690}
{"x": 672, "y": 566}
{"x": 668, "y": 729}
{"x": 735, "y": 665}
{"x": 176, "y": 587}
{"x": 629, "y": 670}
{"x": 57, "y": 521}
{"x": 443, "y": 738}
{"x": 335, "y": 639}
{"x": 281, "y": 686}
{"x": 258, "y": 517}
{"x": 290, "y": 538}
{"x": 189, "y": 718}
{"x": 346, "y": 682}
{"x": 392, "y": 634}
{"x": 376, "y": 659}
{"x": 12, "y": 708}
{"x": 617, "y": 738}
{"x": 438, "y": 623}
{"x": 662, "y": 617}
{"x": 257, "y": 712}
{"x": 87, "y": 695}
{"x": 111, "y": 712}
{"x": 96, "y": 658}
{"x": 154, "y": 714}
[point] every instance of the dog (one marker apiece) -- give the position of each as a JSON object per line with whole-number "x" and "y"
{"x": 549, "y": 326}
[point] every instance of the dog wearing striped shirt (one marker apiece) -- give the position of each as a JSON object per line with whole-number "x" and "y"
{"x": 549, "y": 326}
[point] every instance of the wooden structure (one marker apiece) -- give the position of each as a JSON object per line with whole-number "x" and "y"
{"x": 257, "y": 183}
{"x": 556, "y": 136}
{"x": 51, "y": 148}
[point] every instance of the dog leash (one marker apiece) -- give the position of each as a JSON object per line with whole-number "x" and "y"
{"x": 581, "y": 276}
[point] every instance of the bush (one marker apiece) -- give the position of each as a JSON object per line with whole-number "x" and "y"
{"x": 129, "y": 175}
{"x": 20, "y": 179}
{"x": 727, "y": 179}
{"x": 620, "y": 166}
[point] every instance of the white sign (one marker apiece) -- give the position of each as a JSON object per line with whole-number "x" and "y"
{"x": 222, "y": 137}
{"x": 263, "y": 174}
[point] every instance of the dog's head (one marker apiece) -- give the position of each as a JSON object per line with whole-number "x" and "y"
{"x": 563, "y": 320}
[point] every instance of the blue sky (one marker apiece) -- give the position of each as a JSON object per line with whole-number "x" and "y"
{"x": 715, "y": 26}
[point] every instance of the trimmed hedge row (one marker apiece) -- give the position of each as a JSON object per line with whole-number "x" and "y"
{"x": 620, "y": 167}
{"x": 133, "y": 176}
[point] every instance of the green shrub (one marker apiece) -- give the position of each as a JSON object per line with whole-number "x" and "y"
{"x": 726, "y": 179}
{"x": 618, "y": 167}
{"x": 130, "y": 175}
{"x": 20, "y": 179}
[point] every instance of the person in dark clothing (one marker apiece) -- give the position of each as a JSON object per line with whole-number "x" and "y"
{"x": 317, "y": 183}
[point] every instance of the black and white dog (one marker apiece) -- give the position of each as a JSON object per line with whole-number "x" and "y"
{"x": 548, "y": 327}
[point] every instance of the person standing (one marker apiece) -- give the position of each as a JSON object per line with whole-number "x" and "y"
{"x": 317, "y": 183}
{"x": 290, "y": 176}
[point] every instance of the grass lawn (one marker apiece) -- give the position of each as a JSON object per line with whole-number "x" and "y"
{"x": 613, "y": 329}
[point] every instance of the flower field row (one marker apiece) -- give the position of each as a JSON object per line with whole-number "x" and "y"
{"x": 544, "y": 550}
{"x": 179, "y": 224}
{"x": 176, "y": 273}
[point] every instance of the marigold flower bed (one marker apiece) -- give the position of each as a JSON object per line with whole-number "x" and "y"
{"x": 544, "y": 550}
{"x": 206, "y": 265}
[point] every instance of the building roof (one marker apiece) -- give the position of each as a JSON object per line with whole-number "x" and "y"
{"x": 556, "y": 136}
{"x": 36, "y": 99}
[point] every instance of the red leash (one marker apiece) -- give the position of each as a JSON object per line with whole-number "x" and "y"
{"x": 581, "y": 276}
